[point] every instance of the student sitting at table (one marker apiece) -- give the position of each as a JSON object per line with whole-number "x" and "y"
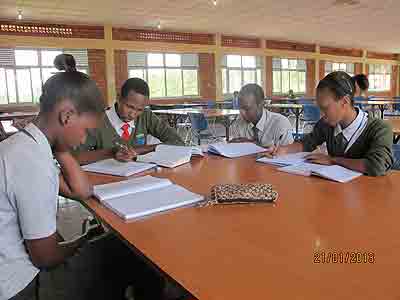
{"x": 127, "y": 123}
{"x": 257, "y": 124}
{"x": 30, "y": 245}
{"x": 362, "y": 84}
{"x": 353, "y": 139}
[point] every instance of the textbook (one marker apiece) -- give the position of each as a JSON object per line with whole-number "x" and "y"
{"x": 233, "y": 150}
{"x": 117, "y": 168}
{"x": 143, "y": 196}
{"x": 170, "y": 156}
{"x": 285, "y": 160}
{"x": 334, "y": 172}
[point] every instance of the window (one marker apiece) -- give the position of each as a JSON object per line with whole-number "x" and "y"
{"x": 24, "y": 71}
{"x": 238, "y": 70}
{"x": 288, "y": 74}
{"x": 168, "y": 75}
{"x": 336, "y": 66}
{"x": 379, "y": 77}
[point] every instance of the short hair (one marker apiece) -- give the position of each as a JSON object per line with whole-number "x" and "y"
{"x": 65, "y": 62}
{"x": 255, "y": 90}
{"x": 137, "y": 85}
{"x": 74, "y": 86}
{"x": 362, "y": 81}
{"x": 339, "y": 83}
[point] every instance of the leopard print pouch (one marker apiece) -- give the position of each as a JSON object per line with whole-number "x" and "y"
{"x": 242, "y": 193}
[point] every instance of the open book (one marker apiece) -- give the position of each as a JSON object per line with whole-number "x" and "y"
{"x": 335, "y": 172}
{"x": 170, "y": 156}
{"x": 285, "y": 160}
{"x": 117, "y": 168}
{"x": 233, "y": 150}
{"x": 143, "y": 196}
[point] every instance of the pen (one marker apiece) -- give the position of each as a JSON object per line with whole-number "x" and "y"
{"x": 121, "y": 146}
{"x": 278, "y": 144}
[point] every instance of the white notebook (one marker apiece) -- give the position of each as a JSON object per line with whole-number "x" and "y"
{"x": 144, "y": 196}
{"x": 117, "y": 168}
{"x": 170, "y": 156}
{"x": 285, "y": 160}
{"x": 335, "y": 172}
{"x": 233, "y": 150}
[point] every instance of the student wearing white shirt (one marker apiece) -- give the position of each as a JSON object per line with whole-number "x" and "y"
{"x": 30, "y": 183}
{"x": 257, "y": 124}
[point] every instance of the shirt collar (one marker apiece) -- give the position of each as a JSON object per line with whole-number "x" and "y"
{"x": 261, "y": 123}
{"x": 350, "y": 130}
{"x": 40, "y": 139}
{"x": 116, "y": 122}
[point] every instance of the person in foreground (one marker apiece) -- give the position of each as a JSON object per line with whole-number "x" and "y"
{"x": 30, "y": 182}
{"x": 258, "y": 125}
{"x": 123, "y": 132}
{"x": 353, "y": 139}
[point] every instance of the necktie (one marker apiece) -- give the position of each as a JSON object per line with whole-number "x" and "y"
{"x": 255, "y": 135}
{"x": 340, "y": 144}
{"x": 125, "y": 132}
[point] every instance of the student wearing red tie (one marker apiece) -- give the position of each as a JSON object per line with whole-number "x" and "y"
{"x": 126, "y": 126}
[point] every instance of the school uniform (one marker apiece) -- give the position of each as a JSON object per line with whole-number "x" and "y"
{"x": 29, "y": 188}
{"x": 272, "y": 129}
{"x": 365, "y": 138}
{"x": 134, "y": 133}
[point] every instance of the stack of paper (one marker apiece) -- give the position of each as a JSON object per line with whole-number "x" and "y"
{"x": 114, "y": 167}
{"x": 285, "y": 160}
{"x": 170, "y": 156}
{"x": 233, "y": 150}
{"x": 144, "y": 196}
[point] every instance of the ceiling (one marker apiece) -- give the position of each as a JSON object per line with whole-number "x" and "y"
{"x": 368, "y": 24}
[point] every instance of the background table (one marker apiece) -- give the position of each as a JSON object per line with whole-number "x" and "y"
{"x": 272, "y": 252}
{"x": 382, "y": 104}
{"x": 16, "y": 115}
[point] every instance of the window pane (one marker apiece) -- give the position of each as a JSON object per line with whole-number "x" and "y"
{"x": 328, "y": 67}
{"x": 48, "y": 57}
{"x": 285, "y": 82}
{"x": 285, "y": 63}
{"x": 234, "y": 61}
{"x": 276, "y": 63}
{"x": 190, "y": 83}
{"x": 36, "y": 84}
{"x": 294, "y": 81}
{"x": 259, "y": 77}
{"x": 156, "y": 82}
{"x": 3, "y": 87}
{"x": 174, "y": 83}
{"x": 24, "y": 85}
{"x": 249, "y": 77}
{"x": 235, "y": 80}
{"x": 249, "y": 61}
{"x": 172, "y": 60}
{"x": 276, "y": 82}
{"x": 387, "y": 82}
{"x": 12, "y": 93}
{"x": 302, "y": 82}
{"x": 293, "y": 64}
{"x": 155, "y": 60}
{"x": 136, "y": 73}
{"x": 343, "y": 67}
{"x": 224, "y": 81}
{"x": 47, "y": 73}
{"x": 26, "y": 58}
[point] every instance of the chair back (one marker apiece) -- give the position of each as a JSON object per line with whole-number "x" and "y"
{"x": 311, "y": 112}
{"x": 396, "y": 156}
{"x": 199, "y": 122}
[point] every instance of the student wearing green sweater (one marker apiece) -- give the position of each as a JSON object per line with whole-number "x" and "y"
{"x": 126, "y": 126}
{"x": 353, "y": 139}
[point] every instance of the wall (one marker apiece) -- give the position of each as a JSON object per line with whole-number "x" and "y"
{"x": 108, "y": 47}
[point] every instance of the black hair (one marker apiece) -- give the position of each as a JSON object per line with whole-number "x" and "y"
{"x": 65, "y": 62}
{"x": 137, "y": 85}
{"x": 362, "y": 81}
{"x": 340, "y": 83}
{"x": 74, "y": 86}
{"x": 253, "y": 89}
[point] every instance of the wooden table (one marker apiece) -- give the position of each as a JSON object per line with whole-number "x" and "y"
{"x": 17, "y": 115}
{"x": 272, "y": 252}
{"x": 382, "y": 104}
{"x": 395, "y": 123}
{"x": 174, "y": 115}
{"x": 296, "y": 108}
{"x": 177, "y": 105}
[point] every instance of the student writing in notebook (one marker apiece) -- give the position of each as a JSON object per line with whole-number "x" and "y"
{"x": 258, "y": 125}
{"x": 30, "y": 181}
{"x": 123, "y": 132}
{"x": 353, "y": 139}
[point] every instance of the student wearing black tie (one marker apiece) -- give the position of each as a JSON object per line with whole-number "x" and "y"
{"x": 353, "y": 139}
